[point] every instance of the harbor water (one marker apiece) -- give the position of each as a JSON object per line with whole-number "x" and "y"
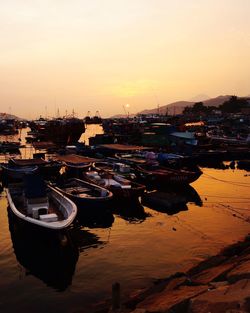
{"x": 135, "y": 251}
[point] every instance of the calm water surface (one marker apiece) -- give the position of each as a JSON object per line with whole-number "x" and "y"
{"x": 42, "y": 276}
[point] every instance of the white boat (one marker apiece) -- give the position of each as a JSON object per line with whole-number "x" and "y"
{"x": 40, "y": 205}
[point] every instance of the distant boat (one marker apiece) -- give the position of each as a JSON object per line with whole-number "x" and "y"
{"x": 61, "y": 131}
{"x": 40, "y": 205}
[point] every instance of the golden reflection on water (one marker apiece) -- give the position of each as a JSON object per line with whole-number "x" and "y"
{"x": 137, "y": 253}
{"x": 91, "y": 130}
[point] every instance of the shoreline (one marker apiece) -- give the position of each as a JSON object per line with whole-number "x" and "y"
{"x": 218, "y": 284}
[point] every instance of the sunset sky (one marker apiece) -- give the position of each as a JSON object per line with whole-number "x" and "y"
{"x": 103, "y": 54}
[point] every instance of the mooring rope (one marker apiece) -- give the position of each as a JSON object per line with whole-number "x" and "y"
{"x": 226, "y": 181}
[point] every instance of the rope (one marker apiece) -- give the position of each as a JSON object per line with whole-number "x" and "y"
{"x": 228, "y": 182}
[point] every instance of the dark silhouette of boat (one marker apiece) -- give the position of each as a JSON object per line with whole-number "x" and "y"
{"x": 159, "y": 175}
{"x": 133, "y": 212}
{"x": 171, "y": 200}
{"x": 62, "y": 131}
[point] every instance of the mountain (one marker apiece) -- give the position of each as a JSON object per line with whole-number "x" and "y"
{"x": 122, "y": 116}
{"x": 4, "y": 116}
{"x": 200, "y": 97}
{"x": 177, "y": 107}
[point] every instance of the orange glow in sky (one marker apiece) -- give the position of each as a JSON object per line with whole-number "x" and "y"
{"x": 100, "y": 55}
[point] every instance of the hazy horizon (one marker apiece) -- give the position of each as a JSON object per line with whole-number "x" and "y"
{"x": 98, "y": 55}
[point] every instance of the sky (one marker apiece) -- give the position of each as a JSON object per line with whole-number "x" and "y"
{"x": 113, "y": 56}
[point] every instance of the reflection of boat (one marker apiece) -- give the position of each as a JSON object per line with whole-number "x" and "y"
{"x": 43, "y": 257}
{"x": 134, "y": 212}
{"x": 167, "y": 202}
{"x": 39, "y": 205}
{"x": 84, "y": 239}
{"x": 170, "y": 200}
{"x": 186, "y": 191}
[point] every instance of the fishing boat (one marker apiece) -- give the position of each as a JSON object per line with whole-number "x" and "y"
{"x": 121, "y": 187}
{"x": 40, "y": 205}
{"x": 61, "y": 131}
{"x": 160, "y": 175}
{"x": 85, "y": 195}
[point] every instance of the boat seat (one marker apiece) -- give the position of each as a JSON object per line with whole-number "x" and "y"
{"x": 37, "y": 211}
{"x": 51, "y": 217}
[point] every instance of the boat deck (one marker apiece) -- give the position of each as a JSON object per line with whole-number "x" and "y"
{"x": 20, "y": 204}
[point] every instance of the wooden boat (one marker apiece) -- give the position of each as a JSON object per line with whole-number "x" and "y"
{"x": 118, "y": 185}
{"x": 84, "y": 194}
{"x": 162, "y": 175}
{"x": 75, "y": 164}
{"x": 40, "y": 205}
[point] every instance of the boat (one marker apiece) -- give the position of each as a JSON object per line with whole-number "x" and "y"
{"x": 12, "y": 173}
{"x": 61, "y": 131}
{"x": 47, "y": 169}
{"x": 87, "y": 196}
{"x": 159, "y": 175}
{"x": 38, "y": 204}
{"x": 131, "y": 158}
{"x": 114, "y": 167}
{"x": 121, "y": 187}
{"x": 75, "y": 164}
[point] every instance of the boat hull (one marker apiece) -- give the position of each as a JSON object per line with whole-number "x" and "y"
{"x": 66, "y": 204}
{"x": 165, "y": 176}
{"x": 88, "y": 206}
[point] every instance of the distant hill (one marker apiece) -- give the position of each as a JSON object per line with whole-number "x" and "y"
{"x": 200, "y": 97}
{"x": 177, "y": 107}
{"x": 122, "y": 116}
{"x": 9, "y": 116}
